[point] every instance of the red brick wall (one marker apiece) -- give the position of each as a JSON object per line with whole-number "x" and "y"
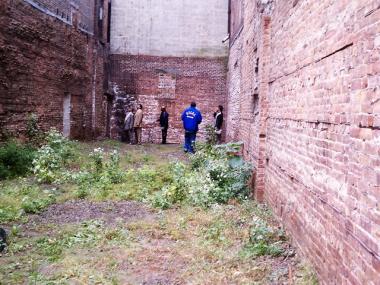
{"x": 173, "y": 82}
{"x": 234, "y": 88}
{"x": 315, "y": 141}
{"x": 41, "y": 58}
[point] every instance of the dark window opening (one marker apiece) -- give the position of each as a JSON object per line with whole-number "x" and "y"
{"x": 255, "y": 104}
{"x": 100, "y": 19}
{"x": 257, "y": 65}
{"x": 109, "y": 23}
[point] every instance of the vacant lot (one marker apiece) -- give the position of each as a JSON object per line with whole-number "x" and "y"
{"x": 126, "y": 217}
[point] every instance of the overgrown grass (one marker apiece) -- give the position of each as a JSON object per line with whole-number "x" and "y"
{"x": 208, "y": 230}
{"x": 68, "y": 170}
{"x": 24, "y": 197}
{"x": 55, "y": 247}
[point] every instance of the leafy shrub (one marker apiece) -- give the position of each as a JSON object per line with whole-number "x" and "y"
{"x": 15, "y": 159}
{"x": 173, "y": 192}
{"x": 102, "y": 177}
{"x": 18, "y": 199}
{"x": 215, "y": 175}
{"x": 97, "y": 157}
{"x": 51, "y": 157}
{"x": 33, "y": 133}
{"x": 263, "y": 240}
{"x": 211, "y": 138}
{"x": 36, "y": 205}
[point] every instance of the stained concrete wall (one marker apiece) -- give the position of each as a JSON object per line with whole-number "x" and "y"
{"x": 176, "y": 28}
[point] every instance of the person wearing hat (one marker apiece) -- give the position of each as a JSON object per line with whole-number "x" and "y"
{"x": 164, "y": 124}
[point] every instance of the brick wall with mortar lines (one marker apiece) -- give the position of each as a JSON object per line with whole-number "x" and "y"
{"x": 321, "y": 142}
{"x": 233, "y": 92}
{"x": 64, "y": 10}
{"x": 42, "y": 58}
{"x": 173, "y": 82}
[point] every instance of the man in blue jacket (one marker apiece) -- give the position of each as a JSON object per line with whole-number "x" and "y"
{"x": 191, "y": 118}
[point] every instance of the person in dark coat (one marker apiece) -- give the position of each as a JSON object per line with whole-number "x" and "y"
{"x": 218, "y": 115}
{"x": 164, "y": 123}
{"x": 3, "y": 239}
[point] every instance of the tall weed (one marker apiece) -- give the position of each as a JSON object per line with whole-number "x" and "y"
{"x": 15, "y": 159}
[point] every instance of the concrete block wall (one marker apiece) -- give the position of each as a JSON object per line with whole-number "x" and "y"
{"x": 316, "y": 147}
{"x": 173, "y": 28}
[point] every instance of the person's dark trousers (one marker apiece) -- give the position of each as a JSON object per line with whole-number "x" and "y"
{"x": 123, "y": 136}
{"x": 190, "y": 138}
{"x": 164, "y": 135}
{"x": 218, "y": 138}
{"x": 128, "y": 134}
{"x": 131, "y": 136}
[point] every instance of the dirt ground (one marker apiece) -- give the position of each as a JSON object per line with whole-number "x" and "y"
{"x": 128, "y": 242}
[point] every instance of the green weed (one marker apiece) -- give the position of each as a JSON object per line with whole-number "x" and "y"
{"x": 263, "y": 240}
{"x": 15, "y": 160}
{"x": 18, "y": 199}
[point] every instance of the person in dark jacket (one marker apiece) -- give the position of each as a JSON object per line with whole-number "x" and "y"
{"x": 218, "y": 115}
{"x": 164, "y": 123}
{"x": 191, "y": 118}
{"x": 3, "y": 239}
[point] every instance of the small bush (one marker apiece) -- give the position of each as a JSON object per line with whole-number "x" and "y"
{"x": 263, "y": 240}
{"x": 33, "y": 132}
{"x": 173, "y": 192}
{"x": 52, "y": 157}
{"x": 211, "y": 138}
{"x": 15, "y": 160}
{"x": 36, "y": 205}
{"x": 18, "y": 199}
{"x": 215, "y": 175}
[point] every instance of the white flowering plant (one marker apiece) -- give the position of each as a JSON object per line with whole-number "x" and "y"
{"x": 216, "y": 175}
{"x": 52, "y": 157}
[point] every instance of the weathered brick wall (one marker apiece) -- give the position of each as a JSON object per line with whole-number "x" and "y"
{"x": 233, "y": 94}
{"x": 64, "y": 10}
{"x": 173, "y": 82}
{"x": 317, "y": 144}
{"x": 42, "y": 59}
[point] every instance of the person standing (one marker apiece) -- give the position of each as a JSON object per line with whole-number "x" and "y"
{"x": 137, "y": 125}
{"x": 218, "y": 115}
{"x": 164, "y": 123}
{"x": 191, "y": 118}
{"x": 128, "y": 126}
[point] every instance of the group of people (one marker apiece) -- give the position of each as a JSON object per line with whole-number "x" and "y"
{"x": 191, "y": 118}
{"x": 133, "y": 125}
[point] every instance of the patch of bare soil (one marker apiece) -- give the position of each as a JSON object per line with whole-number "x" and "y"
{"x": 80, "y": 211}
{"x": 155, "y": 263}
